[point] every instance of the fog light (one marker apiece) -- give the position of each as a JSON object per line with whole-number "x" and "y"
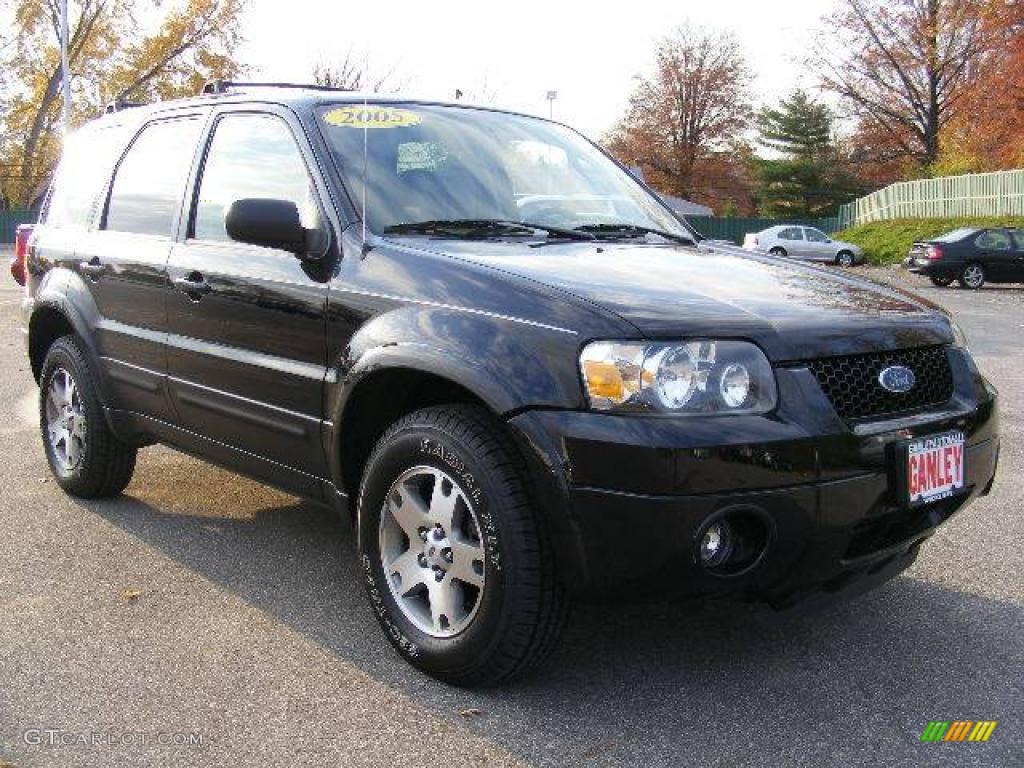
{"x": 716, "y": 544}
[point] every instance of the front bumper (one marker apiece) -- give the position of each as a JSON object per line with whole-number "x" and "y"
{"x": 629, "y": 496}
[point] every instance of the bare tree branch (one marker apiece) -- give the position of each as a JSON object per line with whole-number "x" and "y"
{"x": 906, "y": 64}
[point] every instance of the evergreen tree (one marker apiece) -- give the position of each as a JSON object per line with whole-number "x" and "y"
{"x": 807, "y": 178}
{"x": 800, "y": 128}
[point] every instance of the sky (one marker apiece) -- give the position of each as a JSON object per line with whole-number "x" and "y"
{"x": 513, "y": 53}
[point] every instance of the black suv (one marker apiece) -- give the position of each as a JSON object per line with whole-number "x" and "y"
{"x": 483, "y": 339}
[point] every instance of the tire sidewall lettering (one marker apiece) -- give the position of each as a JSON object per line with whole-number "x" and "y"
{"x": 394, "y": 632}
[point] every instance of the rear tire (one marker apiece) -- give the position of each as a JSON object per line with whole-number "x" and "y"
{"x": 972, "y": 277}
{"x": 941, "y": 282}
{"x": 486, "y": 606}
{"x": 85, "y": 457}
{"x": 778, "y": 252}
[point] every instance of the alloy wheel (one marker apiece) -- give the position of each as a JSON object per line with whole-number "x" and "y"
{"x": 431, "y": 551}
{"x": 973, "y": 276}
{"x": 65, "y": 421}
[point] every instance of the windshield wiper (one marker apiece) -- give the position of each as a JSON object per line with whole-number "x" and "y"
{"x": 479, "y": 227}
{"x": 633, "y": 230}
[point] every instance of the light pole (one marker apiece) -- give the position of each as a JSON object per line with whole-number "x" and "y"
{"x": 552, "y": 95}
{"x": 65, "y": 74}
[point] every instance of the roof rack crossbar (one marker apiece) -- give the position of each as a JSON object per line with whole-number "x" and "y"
{"x": 222, "y": 86}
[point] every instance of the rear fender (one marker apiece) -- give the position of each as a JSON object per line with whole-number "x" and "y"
{"x": 63, "y": 292}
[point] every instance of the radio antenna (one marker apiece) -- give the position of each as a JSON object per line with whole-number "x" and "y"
{"x": 366, "y": 134}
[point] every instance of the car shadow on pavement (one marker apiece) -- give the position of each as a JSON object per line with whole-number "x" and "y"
{"x": 631, "y": 684}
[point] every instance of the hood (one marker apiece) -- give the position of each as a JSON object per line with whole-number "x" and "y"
{"x": 793, "y": 311}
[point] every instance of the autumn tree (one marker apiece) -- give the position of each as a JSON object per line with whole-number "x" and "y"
{"x": 687, "y": 117}
{"x": 119, "y": 50}
{"x": 805, "y": 175}
{"x": 876, "y": 158}
{"x": 904, "y": 66}
{"x": 987, "y": 133}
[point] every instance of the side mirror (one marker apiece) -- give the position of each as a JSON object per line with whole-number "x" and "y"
{"x": 270, "y": 223}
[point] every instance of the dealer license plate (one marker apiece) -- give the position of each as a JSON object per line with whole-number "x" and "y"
{"x": 935, "y": 467}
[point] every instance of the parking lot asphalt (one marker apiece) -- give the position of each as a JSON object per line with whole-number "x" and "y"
{"x": 201, "y": 602}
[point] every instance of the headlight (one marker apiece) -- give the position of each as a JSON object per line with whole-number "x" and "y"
{"x": 959, "y": 337}
{"x": 704, "y": 377}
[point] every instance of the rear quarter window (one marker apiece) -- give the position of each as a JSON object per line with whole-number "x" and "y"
{"x": 82, "y": 174}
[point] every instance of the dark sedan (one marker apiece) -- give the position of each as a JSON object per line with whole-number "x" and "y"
{"x": 971, "y": 255}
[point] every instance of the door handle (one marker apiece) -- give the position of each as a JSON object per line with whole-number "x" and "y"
{"x": 92, "y": 268}
{"x": 194, "y": 286}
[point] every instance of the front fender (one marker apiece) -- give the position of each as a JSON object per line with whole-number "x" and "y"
{"x": 508, "y": 363}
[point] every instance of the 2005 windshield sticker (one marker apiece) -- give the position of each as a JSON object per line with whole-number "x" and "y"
{"x": 358, "y": 116}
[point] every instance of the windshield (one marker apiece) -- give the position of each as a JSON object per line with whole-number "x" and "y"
{"x": 430, "y": 164}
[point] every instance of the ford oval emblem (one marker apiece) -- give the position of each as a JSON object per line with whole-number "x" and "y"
{"x": 897, "y": 378}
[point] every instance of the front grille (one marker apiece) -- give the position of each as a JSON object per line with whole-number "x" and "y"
{"x": 852, "y": 385}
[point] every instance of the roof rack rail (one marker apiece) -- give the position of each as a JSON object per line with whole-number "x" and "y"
{"x": 222, "y": 86}
{"x": 118, "y": 106}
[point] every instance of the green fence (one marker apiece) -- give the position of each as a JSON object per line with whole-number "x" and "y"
{"x": 979, "y": 194}
{"x": 9, "y": 221}
{"x": 715, "y": 227}
{"x": 734, "y": 228}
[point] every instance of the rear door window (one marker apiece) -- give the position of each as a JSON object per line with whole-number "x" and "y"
{"x": 149, "y": 184}
{"x": 793, "y": 233}
{"x": 994, "y": 240}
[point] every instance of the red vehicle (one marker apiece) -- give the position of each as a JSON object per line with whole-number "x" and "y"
{"x": 21, "y": 238}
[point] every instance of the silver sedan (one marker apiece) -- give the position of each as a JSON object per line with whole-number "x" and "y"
{"x": 800, "y": 242}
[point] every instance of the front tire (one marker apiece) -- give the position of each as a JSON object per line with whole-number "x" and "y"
{"x": 85, "y": 457}
{"x": 844, "y": 259}
{"x": 973, "y": 276}
{"x": 456, "y": 560}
